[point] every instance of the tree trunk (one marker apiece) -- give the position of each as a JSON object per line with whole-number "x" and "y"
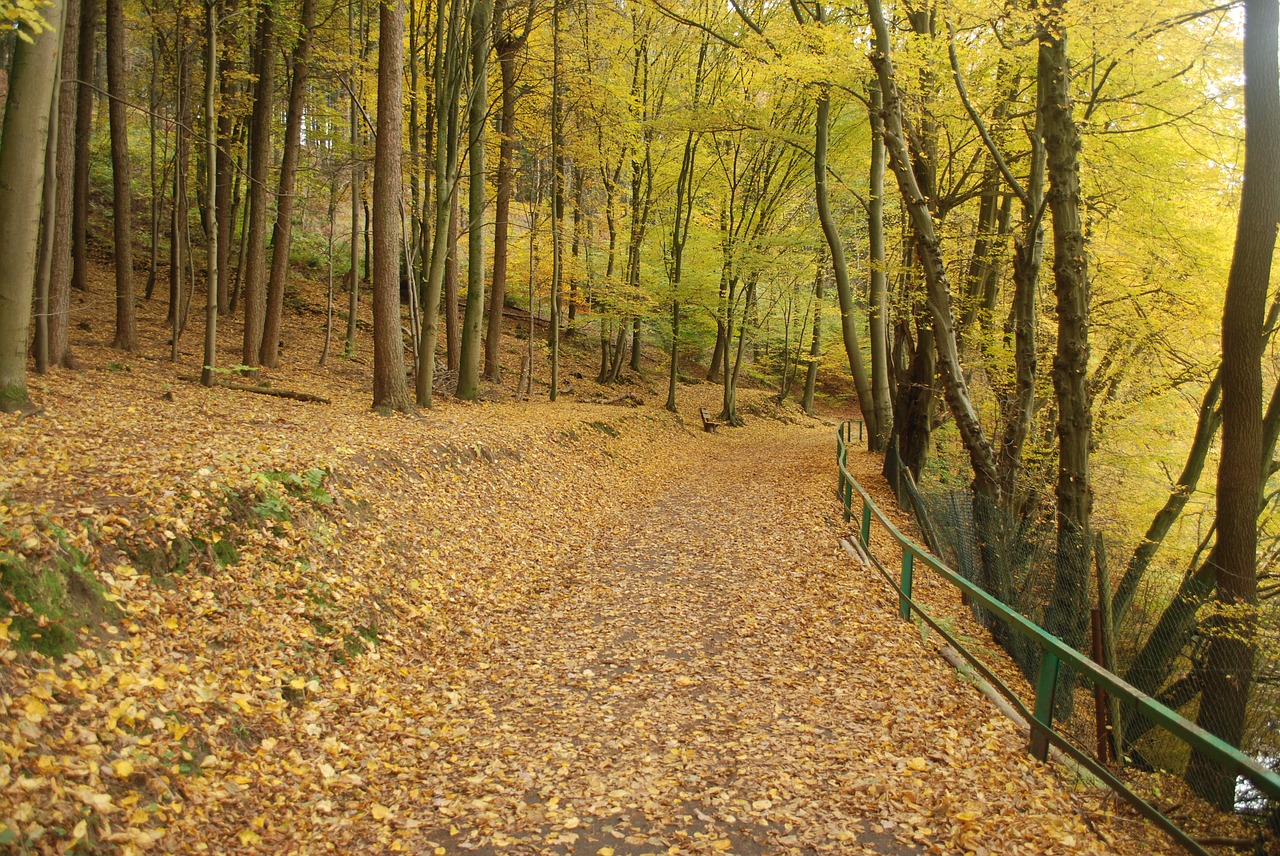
{"x": 60, "y": 266}
{"x": 447, "y": 73}
{"x": 452, "y": 325}
{"x": 259, "y": 164}
{"x": 180, "y": 206}
{"x": 85, "y": 61}
{"x": 848, "y": 322}
{"x": 390, "y": 389}
{"x": 557, "y": 202}
{"x": 225, "y": 168}
{"x": 49, "y": 191}
{"x": 22, "y": 154}
{"x": 507, "y": 46}
{"x": 981, "y": 456}
{"x": 126, "y": 337}
{"x": 469, "y": 360}
{"x": 675, "y": 357}
{"x": 212, "y": 179}
{"x": 878, "y": 308}
{"x": 1067, "y": 615}
{"x": 283, "y": 231}
{"x": 1231, "y": 633}
{"x": 815, "y": 348}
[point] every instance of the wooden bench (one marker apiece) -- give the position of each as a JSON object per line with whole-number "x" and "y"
{"x": 708, "y": 424}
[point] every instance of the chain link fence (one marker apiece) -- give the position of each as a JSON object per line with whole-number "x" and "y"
{"x": 1167, "y": 636}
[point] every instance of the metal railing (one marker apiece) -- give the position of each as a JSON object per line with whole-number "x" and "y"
{"x": 1054, "y": 653}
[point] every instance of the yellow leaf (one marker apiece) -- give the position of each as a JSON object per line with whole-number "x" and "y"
{"x": 297, "y": 683}
{"x": 36, "y": 709}
{"x": 123, "y": 768}
{"x": 918, "y": 764}
{"x": 81, "y": 830}
{"x": 380, "y": 812}
{"x": 171, "y": 623}
{"x": 248, "y": 837}
{"x": 966, "y": 816}
{"x": 571, "y": 822}
{"x": 722, "y": 844}
{"x": 605, "y": 851}
{"x": 4, "y": 629}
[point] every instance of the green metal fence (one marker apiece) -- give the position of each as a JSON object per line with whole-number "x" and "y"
{"x": 1054, "y": 655}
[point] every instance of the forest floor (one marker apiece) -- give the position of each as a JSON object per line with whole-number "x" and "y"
{"x": 511, "y": 627}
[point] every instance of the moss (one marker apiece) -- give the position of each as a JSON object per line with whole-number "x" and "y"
{"x": 51, "y": 603}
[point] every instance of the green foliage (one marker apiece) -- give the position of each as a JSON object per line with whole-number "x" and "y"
{"x": 52, "y": 601}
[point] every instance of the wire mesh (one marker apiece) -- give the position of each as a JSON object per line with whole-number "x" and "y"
{"x": 1163, "y": 642}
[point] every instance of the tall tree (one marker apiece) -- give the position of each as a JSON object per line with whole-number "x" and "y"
{"x": 86, "y": 59}
{"x": 282, "y": 234}
{"x": 1068, "y": 608}
{"x": 390, "y": 389}
{"x": 259, "y": 164}
{"x": 557, "y": 203}
{"x": 878, "y": 286}
{"x": 126, "y": 337}
{"x": 478, "y": 111}
{"x": 212, "y": 180}
{"x": 1231, "y": 636}
{"x": 986, "y": 483}
{"x": 60, "y": 267}
{"x": 507, "y": 45}
{"x": 22, "y": 148}
{"x": 448, "y": 66}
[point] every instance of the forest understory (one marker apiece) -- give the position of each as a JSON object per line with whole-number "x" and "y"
{"x": 290, "y": 626}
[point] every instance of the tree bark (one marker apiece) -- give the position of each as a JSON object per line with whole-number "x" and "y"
{"x": 452, "y": 324}
{"x": 126, "y": 337}
{"x": 502, "y": 211}
{"x": 815, "y": 348}
{"x": 390, "y": 388}
{"x": 507, "y": 46}
{"x": 447, "y": 73}
{"x": 22, "y": 149}
{"x": 469, "y": 360}
{"x": 557, "y": 203}
{"x": 85, "y": 61}
{"x": 848, "y": 323}
{"x": 877, "y": 297}
{"x": 283, "y": 232}
{"x": 259, "y": 164}
{"x": 1067, "y": 615}
{"x": 1231, "y": 633}
{"x": 60, "y": 267}
{"x": 212, "y": 179}
{"x": 227, "y": 128}
{"x": 929, "y": 250}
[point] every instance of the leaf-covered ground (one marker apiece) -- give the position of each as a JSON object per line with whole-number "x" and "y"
{"x": 510, "y": 627}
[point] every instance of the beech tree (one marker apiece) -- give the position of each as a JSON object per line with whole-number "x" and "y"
{"x": 1231, "y": 645}
{"x": 22, "y": 148}
{"x": 390, "y": 388}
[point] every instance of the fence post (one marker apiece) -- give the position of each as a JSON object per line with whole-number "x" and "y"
{"x": 865, "y": 532}
{"x": 839, "y": 465}
{"x": 1046, "y": 686}
{"x": 908, "y": 567}
{"x": 1100, "y": 708}
{"x": 848, "y": 500}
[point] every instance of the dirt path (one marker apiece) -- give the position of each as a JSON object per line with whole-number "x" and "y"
{"x": 713, "y": 676}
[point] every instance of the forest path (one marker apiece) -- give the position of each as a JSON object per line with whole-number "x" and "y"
{"x": 715, "y": 675}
